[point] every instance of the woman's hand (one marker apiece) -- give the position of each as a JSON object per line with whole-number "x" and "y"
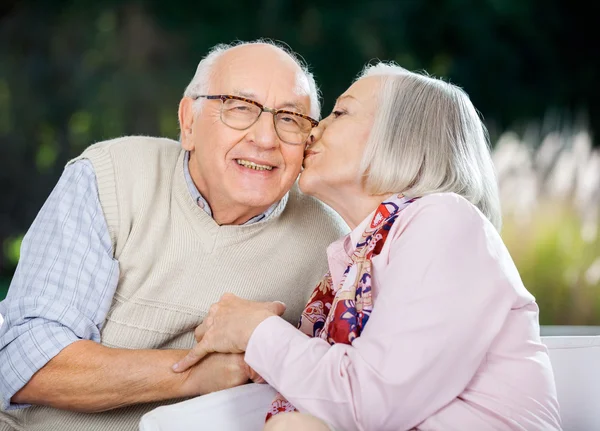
{"x": 227, "y": 327}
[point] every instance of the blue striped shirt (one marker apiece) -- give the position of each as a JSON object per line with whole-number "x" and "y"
{"x": 65, "y": 280}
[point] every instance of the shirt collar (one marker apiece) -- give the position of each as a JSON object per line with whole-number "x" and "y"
{"x": 348, "y": 242}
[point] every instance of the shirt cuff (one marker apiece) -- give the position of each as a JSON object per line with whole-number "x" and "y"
{"x": 24, "y": 357}
{"x": 269, "y": 345}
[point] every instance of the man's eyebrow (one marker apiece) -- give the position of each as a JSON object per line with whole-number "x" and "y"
{"x": 286, "y": 105}
{"x": 292, "y": 106}
{"x": 245, "y": 94}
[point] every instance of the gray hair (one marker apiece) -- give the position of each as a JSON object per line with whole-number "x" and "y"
{"x": 428, "y": 138}
{"x": 201, "y": 81}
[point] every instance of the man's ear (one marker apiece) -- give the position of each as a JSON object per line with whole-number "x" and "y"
{"x": 186, "y": 122}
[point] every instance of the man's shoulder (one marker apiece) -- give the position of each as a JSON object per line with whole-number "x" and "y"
{"x": 137, "y": 145}
{"x": 119, "y": 163}
{"x": 131, "y": 155}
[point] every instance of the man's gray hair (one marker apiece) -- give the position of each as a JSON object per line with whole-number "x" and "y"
{"x": 201, "y": 81}
{"x": 428, "y": 138}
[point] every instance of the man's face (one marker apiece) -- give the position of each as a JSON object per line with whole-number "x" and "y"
{"x": 219, "y": 153}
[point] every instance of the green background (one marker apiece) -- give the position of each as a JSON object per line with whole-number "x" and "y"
{"x": 76, "y": 72}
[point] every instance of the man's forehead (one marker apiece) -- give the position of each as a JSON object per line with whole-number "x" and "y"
{"x": 287, "y": 87}
{"x": 298, "y": 103}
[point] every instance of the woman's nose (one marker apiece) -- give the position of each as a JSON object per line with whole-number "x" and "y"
{"x": 316, "y": 132}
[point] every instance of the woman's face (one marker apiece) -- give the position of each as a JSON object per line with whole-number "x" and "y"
{"x": 332, "y": 161}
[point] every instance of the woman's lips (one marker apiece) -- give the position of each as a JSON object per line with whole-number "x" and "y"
{"x": 309, "y": 153}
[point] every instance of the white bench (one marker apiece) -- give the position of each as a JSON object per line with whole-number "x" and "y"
{"x": 242, "y": 408}
{"x": 576, "y": 364}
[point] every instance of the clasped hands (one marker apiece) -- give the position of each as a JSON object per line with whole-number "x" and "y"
{"x": 227, "y": 328}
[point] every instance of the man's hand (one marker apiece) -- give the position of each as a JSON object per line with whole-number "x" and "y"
{"x": 216, "y": 372}
{"x": 227, "y": 327}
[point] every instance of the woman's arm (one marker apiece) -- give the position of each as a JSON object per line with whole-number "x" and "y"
{"x": 443, "y": 298}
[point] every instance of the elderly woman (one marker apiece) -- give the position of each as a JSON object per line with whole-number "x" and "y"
{"x": 422, "y": 321}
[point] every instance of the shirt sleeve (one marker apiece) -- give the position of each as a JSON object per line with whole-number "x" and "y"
{"x": 64, "y": 282}
{"x": 443, "y": 299}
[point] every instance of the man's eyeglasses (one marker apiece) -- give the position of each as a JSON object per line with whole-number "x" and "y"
{"x": 240, "y": 113}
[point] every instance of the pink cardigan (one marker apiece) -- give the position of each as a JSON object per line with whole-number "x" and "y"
{"x": 452, "y": 344}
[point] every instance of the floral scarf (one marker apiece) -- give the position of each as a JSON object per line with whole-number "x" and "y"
{"x": 339, "y": 314}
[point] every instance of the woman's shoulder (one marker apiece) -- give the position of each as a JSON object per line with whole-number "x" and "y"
{"x": 450, "y": 201}
{"x": 443, "y": 210}
{"x": 441, "y": 221}
{"x": 449, "y": 226}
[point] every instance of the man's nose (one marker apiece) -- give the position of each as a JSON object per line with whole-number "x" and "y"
{"x": 262, "y": 133}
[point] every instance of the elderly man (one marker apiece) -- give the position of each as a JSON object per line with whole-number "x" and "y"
{"x": 141, "y": 236}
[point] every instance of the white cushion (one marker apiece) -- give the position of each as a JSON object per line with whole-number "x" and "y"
{"x": 576, "y": 364}
{"x": 575, "y": 360}
{"x": 243, "y": 408}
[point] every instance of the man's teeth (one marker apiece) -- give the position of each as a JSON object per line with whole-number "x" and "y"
{"x": 253, "y": 165}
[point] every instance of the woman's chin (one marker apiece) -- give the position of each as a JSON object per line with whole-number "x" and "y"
{"x": 307, "y": 182}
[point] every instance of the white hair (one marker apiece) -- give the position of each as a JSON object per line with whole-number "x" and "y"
{"x": 201, "y": 81}
{"x": 428, "y": 138}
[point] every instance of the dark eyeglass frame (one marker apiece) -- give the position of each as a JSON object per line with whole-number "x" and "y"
{"x": 275, "y": 112}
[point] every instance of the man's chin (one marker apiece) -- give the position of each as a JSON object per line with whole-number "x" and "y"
{"x": 256, "y": 199}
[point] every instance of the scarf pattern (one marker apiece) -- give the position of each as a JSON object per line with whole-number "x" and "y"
{"x": 338, "y": 314}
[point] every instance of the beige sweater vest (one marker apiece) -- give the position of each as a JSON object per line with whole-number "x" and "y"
{"x": 175, "y": 261}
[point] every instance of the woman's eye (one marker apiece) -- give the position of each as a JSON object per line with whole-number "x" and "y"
{"x": 336, "y": 114}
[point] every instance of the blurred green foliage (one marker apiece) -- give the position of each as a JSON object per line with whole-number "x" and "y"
{"x": 12, "y": 249}
{"x": 557, "y": 265}
{"x": 74, "y": 72}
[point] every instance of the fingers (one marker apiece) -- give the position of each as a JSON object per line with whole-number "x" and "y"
{"x": 192, "y": 358}
{"x": 276, "y": 307}
{"x": 254, "y": 376}
{"x": 200, "y": 331}
{"x": 229, "y": 299}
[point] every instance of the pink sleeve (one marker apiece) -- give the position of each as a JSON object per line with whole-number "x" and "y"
{"x": 444, "y": 296}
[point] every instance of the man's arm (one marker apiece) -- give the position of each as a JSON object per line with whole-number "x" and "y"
{"x": 89, "y": 377}
{"x": 57, "y": 303}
